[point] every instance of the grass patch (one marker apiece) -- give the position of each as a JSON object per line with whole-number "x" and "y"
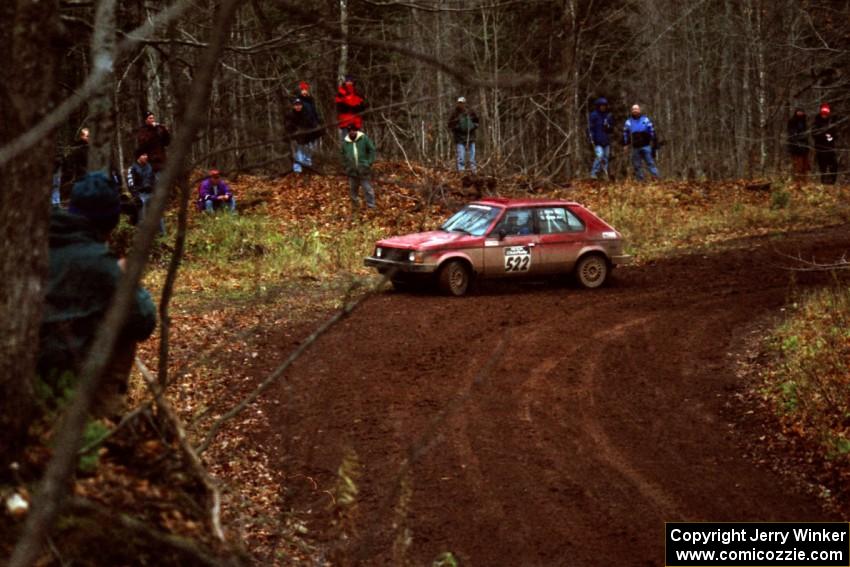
{"x": 808, "y": 384}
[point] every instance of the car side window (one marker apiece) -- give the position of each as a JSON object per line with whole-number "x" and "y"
{"x": 555, "y": 220}
{"x": 516, "y": 222}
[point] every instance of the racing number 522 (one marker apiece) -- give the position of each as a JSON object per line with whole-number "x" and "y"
{"x": 517, "y": 263}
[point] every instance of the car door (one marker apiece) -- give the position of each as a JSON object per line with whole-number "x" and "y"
{"x": 561, "y": 236}
{"x": 510, "y": 250}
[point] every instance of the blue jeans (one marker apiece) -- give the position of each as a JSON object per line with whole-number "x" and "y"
{"x": 55, "y": 195}
{"x": 640, "y": 155}
{"x": 303, "y": 156}
{"x": 601, "y": 161}
{"x": 211, "y": 205}
{"x": 354, "y": 184}
{"x": 461, "y": 157}
{"x": 145, "y": 197}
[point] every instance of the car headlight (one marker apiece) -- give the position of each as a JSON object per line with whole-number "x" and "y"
{"x": 416, "y": 257}
{"x": 411, "y": 257}
{"x": 378, "y": 252}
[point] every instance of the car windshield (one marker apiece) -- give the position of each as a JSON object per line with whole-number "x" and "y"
{"x": 472, "y": 219}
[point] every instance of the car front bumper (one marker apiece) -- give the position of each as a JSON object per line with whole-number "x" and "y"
{"x": 622, "y": 260}
{"x": 384, "y": 266}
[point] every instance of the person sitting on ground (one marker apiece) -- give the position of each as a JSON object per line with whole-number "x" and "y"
{"x": 215, "y": 194}
{"x": 83, "y": 277}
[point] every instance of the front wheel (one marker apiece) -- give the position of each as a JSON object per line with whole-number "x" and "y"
{"x": 454, "y": 278}
{"x": 592, "y": 271}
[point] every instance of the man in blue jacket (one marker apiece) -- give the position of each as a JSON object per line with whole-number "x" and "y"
{"x": 600, "y": 125}
{"x": 639, "y": 132}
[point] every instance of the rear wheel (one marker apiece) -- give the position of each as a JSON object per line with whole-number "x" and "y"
{"x": 592, "y": 271}
{"x": 454, "y": 278}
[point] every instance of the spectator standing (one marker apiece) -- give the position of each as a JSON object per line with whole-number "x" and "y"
{"x": 463, "y": 123}
{"x": 215, "y": 194}
{"x": 83, "y": 277}
{"x": 600, "y": 126}
{"x": 141, "y": 181}
{"x": 309, "y": 102}
{"x": 640, "y": 133}
{"x": 824, "y": 135}
{"x": 75, "y": 164}
{"x": 798, "y": 144}
{"x": 349, "y": 107}
{"x": 152, "y": 138}
{"x": 358, "y": 155}
{"x": 303, "y": 129}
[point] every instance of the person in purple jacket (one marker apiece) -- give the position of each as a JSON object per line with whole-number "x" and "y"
{"x": 214, "y": 194}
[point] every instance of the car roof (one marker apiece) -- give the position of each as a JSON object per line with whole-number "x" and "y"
{"x": 512, "y": 203}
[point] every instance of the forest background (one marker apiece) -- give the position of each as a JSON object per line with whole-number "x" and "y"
{"x": 719, "y": 78}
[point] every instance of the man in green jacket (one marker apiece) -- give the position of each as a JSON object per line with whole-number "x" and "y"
{"x": 358, "y": 155}
{"x": 83, "y": 278}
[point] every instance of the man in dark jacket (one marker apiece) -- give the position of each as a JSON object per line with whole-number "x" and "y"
{"x": 303, "y": 93}
{"x": 463, "y": 123}
{"x": 302, "y": 128}
{"x": 75, "y": 163}
{"x": 349, "y": 107}
{"x": 141, "y": 180}
{"x": 824, "y": 135}
{"x": 152, "y": 138}
{"x": 798, "y": 144}
{"x": 83, "y": 278}
{"x": 600, "y": 126}
{"x": 358, "y": 155}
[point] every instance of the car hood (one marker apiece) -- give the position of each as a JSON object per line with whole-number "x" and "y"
{"x": 426, "y": 240}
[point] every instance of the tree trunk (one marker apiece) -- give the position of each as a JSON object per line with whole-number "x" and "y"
{"x": 30, "y": 55}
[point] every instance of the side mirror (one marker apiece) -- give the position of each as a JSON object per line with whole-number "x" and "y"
{"x": 502, "y": 233}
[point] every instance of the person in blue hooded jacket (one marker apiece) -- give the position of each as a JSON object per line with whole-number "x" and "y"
{"x": 640, "y": 134}
{"x": 82, "y": 280}
{"x": 600, "y": 125}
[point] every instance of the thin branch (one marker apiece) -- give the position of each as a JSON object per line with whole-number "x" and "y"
{"x": 164, "y": 406}
{"x": 183, "y": 545}
{"x": 95, "y": 79}
{"x": 125, "y": 419}
{"x": 54, "y": 486}
{"x": 345, "y": 311}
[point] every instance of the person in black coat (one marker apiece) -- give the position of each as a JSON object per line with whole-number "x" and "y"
{"x": 302, "y": 127}
{"x": 824, "y": 135}
{"x": 798, "y": 144}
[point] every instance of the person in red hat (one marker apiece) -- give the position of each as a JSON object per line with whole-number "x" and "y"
{"x": 303, "y": 93}
{"x": 824, "y": 135}
{"x": 349, "y": 107}
{"x": 215, "y": 194}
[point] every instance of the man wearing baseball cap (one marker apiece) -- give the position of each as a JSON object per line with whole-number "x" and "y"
{"x": 215, "y": 194}
{"x": 826, "y": 155}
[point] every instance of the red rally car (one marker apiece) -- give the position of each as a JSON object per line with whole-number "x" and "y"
{"x": 505, "y": 238}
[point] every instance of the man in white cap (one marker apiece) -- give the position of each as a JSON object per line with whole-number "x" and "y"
{"x": 463, "y": 123}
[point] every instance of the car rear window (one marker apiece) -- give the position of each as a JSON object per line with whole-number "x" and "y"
{"x": 472, "y": 219}
{"x": 554, "y": 220}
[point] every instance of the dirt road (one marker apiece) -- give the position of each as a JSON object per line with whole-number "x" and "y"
{"x": 577, "y": 423}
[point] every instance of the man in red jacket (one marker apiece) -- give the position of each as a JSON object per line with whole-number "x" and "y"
{"x": 349, "y": 107}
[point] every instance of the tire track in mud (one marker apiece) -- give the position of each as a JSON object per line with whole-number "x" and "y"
{"x": 602, "y": 418}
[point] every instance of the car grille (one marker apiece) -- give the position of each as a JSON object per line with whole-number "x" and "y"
{"x": 395, "y": 254}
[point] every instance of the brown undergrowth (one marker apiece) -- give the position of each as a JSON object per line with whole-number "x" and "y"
{"x": 290, "y": 257}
